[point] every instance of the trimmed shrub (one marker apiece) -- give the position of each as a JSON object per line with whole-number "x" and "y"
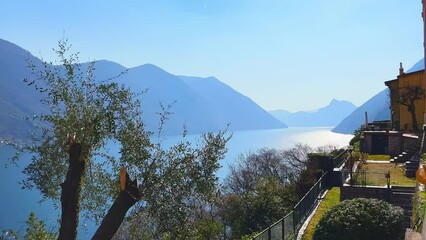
{"x": 361, "y": 219}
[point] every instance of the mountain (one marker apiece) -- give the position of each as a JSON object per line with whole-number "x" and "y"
{"x": 420, "y": 65}
{"x": 330, "y": 115}
{"x": 376, "y": 108}
{"x": 231, "y": 107}
{"x": 198, "y": 104}
{"x": 17, "y": 100}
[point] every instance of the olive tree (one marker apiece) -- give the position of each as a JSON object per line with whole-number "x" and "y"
{"x": 72, "y": 165}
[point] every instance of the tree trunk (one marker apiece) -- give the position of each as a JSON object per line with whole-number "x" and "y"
{"x": 414, "y": 118}
{"x": 70, "y": 197}
{"x": 115, "y": 216}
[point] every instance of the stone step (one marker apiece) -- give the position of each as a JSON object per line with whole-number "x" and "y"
{"x": 410, "y": 174}
{"x": 404, "y": 189}
{"x": 411, "y": 163}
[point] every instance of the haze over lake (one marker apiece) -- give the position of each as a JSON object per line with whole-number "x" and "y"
{"x": 243, "y": 142}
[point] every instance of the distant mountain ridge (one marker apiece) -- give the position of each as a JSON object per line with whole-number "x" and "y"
{"x": 199, "y": 104}
{"x": 328, "y": 116}
{"x": 210, "y": 88}
{"x": 377, "y": 109}
{"x": 420, "y": 65}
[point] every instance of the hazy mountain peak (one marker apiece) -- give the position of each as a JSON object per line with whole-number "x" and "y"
{"x": 150, "y": 67}
{"x": 376, "y": 107}
{"x": 329, "y": 115}
{"x": 10, "y": 47}
{"x": 420, "y": 65}
{"x": 104, "y": 62}
{"x": 335, "y": 101}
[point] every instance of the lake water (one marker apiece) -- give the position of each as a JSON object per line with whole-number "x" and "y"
{"x": 16, "y": 204}
{"x": 243, "y": 142}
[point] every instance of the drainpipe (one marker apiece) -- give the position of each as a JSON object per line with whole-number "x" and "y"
{"x": 424, "y": 49}
{"x": 424, "y": 79}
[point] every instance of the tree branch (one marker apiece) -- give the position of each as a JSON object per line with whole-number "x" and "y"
{"x": 128, "y": 196}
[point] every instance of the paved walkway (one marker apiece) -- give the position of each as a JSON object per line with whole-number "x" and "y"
{"x": 308, "y": 219}
{"x": 410, "y": 234}
{"x": 377, "y": 161}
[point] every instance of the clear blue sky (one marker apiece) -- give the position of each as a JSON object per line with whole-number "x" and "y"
{"x": 283, "y": 54}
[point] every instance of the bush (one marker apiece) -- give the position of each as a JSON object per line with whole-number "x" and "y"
{"x": 361, "y": 219}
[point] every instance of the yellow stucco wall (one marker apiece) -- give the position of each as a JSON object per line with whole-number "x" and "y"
{"x": 405, "y": 121}
{"x": 394, "y": 105}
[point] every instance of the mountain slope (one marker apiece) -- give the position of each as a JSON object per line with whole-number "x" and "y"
{"x": 230, "y": 106}
{"x": 194, "y": 104}
{"x": 376, "y": 108}
{"x": 420, "y": 65}
{"x": 163, "y": 88}
{"x": 330, "y": 115}
{"x": 17, "y": 100}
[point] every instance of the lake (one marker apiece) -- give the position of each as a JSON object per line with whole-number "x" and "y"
{"x": 16, "y": 204}
{"x": 243, "y": 142}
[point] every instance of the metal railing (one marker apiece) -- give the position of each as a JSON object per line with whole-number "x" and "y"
{"x": 366, "y": 178}
{"x": 288, "y": 226}
{"x": 305, "y": 206}
{"x": 341, "y": 158}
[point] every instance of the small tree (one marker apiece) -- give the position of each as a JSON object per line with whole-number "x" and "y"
{"x": 361, "y": 219}
{"x": 36, "y": 229}
{"x": 260, "y": 189}
{"x": 71, "y": 163}
{"x": 408, "y": 96}
{"x": 264, "y": 186}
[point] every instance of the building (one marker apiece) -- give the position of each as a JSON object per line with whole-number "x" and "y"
{"x": 407, "y": 107}
{"x": 407, "y": 100}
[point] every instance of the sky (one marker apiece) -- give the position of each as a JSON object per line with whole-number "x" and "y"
{"x": 283, "y": 54}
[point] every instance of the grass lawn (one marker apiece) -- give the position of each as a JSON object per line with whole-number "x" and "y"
{"x": 376, "y": 174}
{"x": 331, "y": 198}
{"x": 378, "y": 157}
{"x": 423, "y": 206}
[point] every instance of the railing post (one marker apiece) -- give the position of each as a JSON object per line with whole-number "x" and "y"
{"x": 294, "y": 221}
{"x": 269, "y": 233}
{"x": 388, "y": 192}
{"x": 283, "y": 229}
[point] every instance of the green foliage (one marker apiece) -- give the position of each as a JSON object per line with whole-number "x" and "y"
{"x": 9, "y": 234}
{"x": 361, "y": 219}
{"x": 36, "y": 229}
{"x": 331, "y": 199}
{"x": 256, "y": 210}
{"x": 419, "y": 209}
{"x": 259, "y": 191}
{"x": 264, "y": 186}
{"x": 317, "y": 164}
{"x": 208, "y": 229}
{"x": 249, "y": 236}
{"x": 355, "y": 141}
{"x": 320, "y": 161}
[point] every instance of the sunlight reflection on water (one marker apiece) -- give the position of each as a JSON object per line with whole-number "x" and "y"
{"x": 249, "y": 141}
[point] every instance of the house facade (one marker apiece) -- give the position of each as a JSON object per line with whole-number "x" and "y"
{"x": 401, "y": 89}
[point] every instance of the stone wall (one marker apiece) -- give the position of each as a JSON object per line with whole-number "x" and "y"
{"x": 395, "y": 143}
{"x": 351, "y": 192}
